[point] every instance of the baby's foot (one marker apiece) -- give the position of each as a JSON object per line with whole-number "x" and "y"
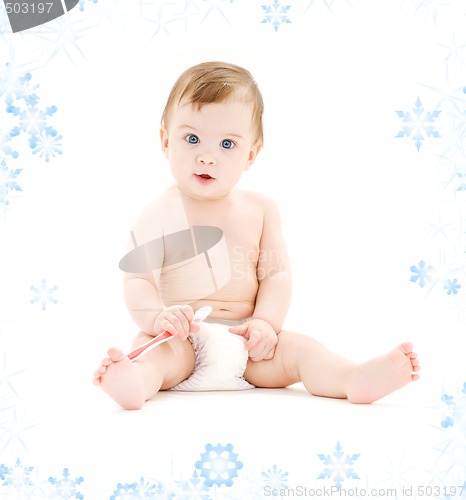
{"x": 121, "y": 380}
{"x": 383, "y": 375}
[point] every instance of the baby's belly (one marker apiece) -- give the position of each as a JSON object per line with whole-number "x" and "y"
{"x": 226, "y": 309}
{"x": 230, "y": 288}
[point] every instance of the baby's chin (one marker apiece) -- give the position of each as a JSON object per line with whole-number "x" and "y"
{"x": 211, "y": 192}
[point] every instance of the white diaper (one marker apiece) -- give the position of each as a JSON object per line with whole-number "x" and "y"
{"x": 220, "y": 360}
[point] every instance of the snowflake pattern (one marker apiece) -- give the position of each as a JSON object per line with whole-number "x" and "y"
{"x": 219, "y": 465}
{"x": 33, "y": 122}
{"x": 339, "y": 466}
{"x": 452, "y": 287}
{"x": 144, "y": 489}
{"x": 421, "y": 273}
{"x": 83, "y": 2}
{"x": 193, "y": 489}
{"x": 454, "y": 427}
{"x": 47, "y": 144}
{"x": 275, "y": 479}
{"x": 276, "y": 14}
{"x": 456, "y": 409}
{"x": 25, "y": 118}
{"x": 460, "y": 181}
{"x": 418, "y": 123}
{"x": 17, "y": 479}
{"x": 8, "y": 182}
{"x": 44, "y": 295}
{"x": 14, "y": 85}
{"x": 65, "y": 487}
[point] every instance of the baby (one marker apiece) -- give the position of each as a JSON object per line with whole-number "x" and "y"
{"x": 206, "y": 242}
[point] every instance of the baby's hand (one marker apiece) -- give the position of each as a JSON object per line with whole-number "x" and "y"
{"x": 177, "y": 321}
{"x": 261, "y": 338}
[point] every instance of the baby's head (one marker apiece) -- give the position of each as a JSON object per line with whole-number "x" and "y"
{"x": 216, "y": 82}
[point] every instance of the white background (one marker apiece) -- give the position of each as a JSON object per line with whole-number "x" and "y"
{"x": 359, "y": 206}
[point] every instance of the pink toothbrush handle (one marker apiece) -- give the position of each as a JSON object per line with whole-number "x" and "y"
{"x": 201, "y": 314}
{"x": 156, "y": 340}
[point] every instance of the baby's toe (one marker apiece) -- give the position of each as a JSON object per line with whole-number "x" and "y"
{"x": 101, "y": 370}
{"x": 116, "y": 354}
{"x": 97, "y": 377}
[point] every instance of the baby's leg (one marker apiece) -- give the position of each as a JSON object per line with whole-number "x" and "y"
{"x": 130, "y": 384}
{"x": 299, "y": 358}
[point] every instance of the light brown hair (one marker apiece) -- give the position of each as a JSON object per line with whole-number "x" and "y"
{"x": 213, "y": 82}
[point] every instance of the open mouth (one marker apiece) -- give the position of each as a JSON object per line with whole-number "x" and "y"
{"x": 204, "y": 178}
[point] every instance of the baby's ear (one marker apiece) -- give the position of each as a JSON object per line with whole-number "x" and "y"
{"x": 164, "y": 139}
{"x": 253, "y": 154}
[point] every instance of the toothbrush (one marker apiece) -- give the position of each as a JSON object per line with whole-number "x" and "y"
{"x": 200, "y": 315}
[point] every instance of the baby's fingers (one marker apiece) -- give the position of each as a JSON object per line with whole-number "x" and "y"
{"x": 254, "y": 339}
{"x": 194, "y": 327}
{"x": 176, "y": 324}
{"x": 239, "y": 330}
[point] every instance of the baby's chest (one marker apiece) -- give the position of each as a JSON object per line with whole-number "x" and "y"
{"x": 241, "y": 227}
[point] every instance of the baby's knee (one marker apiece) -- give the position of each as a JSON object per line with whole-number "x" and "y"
{"x": 179, "y": 359}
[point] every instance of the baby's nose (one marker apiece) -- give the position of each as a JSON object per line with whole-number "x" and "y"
{"x": 206, "y": 159}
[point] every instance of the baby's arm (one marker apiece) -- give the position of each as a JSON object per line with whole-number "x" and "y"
{"x": 273, "y": 271}
{"x": 143, "y": 301}
{"x": 148, "y": 312}
{"x": 141, "y": 285}
{"x": 274, "y": 293}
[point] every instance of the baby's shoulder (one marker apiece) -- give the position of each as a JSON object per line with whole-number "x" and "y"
{"x": 164, "y": 211}
{"x": 256, "y": 198}
{"x": 164, "y": 202}
{"x": 259, "y": 202}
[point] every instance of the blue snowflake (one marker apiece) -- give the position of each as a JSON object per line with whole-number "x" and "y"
{"x": 22, "y": 103}
{"x": 65, "y": 487}
{"x": 339, "y": 466}
{"x": 193, "y": 489}
{"x": 276, "y": 14}
{"x": 47, "y": 143}
{"x": 8, "y": 182}
{"x": 3, "y": 471}
{"x": 461, "y": 182}
{"x": 421, "y": 273}
{"x": 452, "y": 287}
{"x": 17, "y": 477}
{"x": 5, "y": 146}
{"x": 219, "y": 465}
{"x": 419, "y": 123}
{"x": 275, "y": 478}
{"x": 82, "y": 2}
{"x": 44, "y": 295}
{"x": 456, "y": 409}
{"x": 141, "y": 490}
{"x": 454, "y": 427}
{"x": 14, "y": 85}
{"x": 33, "y": 121}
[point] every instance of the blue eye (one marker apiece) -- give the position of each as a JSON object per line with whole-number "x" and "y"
{"x": 193, "y": 139}
{"x": 227, "y": 144}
